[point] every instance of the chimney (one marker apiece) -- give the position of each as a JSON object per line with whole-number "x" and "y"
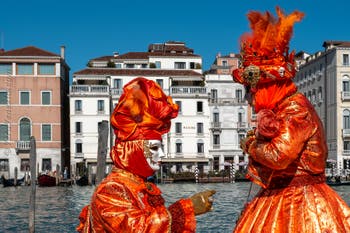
{"x": 62, "y": 51}
{"x": 115, "y": 54}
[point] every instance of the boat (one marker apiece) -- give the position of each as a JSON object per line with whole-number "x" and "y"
{"x": 336, "y": 181}
{"x": 11, "y": 182}
{"x": 82, "y": 181}
{"x": 45, "y": 180}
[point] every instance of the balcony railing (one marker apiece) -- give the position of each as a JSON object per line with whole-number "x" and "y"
{"x": 116, "y": 92}
{"x": 216, "y": 124}
{"x": 202, "y": 91}
{"x": 22, "y": 145}
{"x": 346, "y": 133}
{"x": 345, "y": 95}
{"x": 242, "y": 125}
{"x": 89, "y": 89}
{"x": 226, "y": 101}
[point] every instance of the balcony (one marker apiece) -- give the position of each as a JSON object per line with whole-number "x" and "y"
{"x": 89, "y": 90}
{"x": 226, "y": 101}
{"x": 346, "y": 133}
{"x": 242, "y": 125}
{"x": 22, "y": 146}
{"x": 345, "y": 95}
{"x": 216, "y": 124}
{"x": 189, "y": 91}
{"x": 116, "y": 92}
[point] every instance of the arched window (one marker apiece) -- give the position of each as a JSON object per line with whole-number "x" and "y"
{"x": 346, "y": 119}
{"x": 346, "y": 83}
{"x": 24, "y": 129}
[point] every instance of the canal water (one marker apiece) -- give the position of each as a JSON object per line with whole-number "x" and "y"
{"x": 58, "y": 208}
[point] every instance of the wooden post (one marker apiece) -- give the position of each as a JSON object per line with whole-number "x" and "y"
{"x": 58, "y": 174}
{"x": 102, "y": 151}
{"x": 32, "y": 185}
{"x": 16, "y": 177}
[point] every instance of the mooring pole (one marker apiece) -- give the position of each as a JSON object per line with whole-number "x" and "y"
{"x": 32, "y": 184}
{"x": 102, "y": 151}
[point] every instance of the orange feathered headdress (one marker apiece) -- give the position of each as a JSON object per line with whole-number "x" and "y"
{"x": 143, "y": 111}
{"x": 264, "y": 51}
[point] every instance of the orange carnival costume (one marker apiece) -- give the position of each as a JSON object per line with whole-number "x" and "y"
{"x": 287, "y": 151}
{"x": 124, "y": 201}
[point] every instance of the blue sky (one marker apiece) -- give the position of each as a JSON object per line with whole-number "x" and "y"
{"x": 91, "y": 29}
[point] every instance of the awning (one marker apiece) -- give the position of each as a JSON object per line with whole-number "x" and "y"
{"x": 185, "y": 160}
{"x": 90, "y": 77}
{"x": 188, "y": 78}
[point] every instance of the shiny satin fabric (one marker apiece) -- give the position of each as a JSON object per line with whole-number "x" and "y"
{"x": 124, "y": 202}
{"x": 130, "y": 156}
{"x": 290, "y": 169}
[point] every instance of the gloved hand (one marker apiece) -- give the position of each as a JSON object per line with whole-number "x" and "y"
{"x": 202, "y": 201}
{"x": 245, "y": 142}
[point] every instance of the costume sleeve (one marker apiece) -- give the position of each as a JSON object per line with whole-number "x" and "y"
{"x": 115, "y": 208}
{"x": 183, "y": 218}
{"x": 296, "y": 127}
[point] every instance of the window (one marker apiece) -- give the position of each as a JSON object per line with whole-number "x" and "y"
{"x": 78, "y": 127}
{"x": 46, "y": 165}
{"x": 118, "y": 65}
{"x": 200, "y": 128}
{"x": 239, "y": 95}
{"x": 240, "y": 117}
{"x": 160, "y": 82}
{"x": 3, "y": 97}
{"x": 4, "y": 132}
{"x": 78, "y": 147}
{"x": 24, "y": 129}
{"x": 78, "y": 106}
{"x": 23, "y": 69}
{"x": 46, "y": 97}
{"x": 25, "y": 165}
{"x": 178, "y": 146}
{"x": 180, "y": 105}
{"x": 216, "y": 139}
{"x": 192, "y": 65}
{"x": 130, "y": 66}
{"x": 24, "y": 97}
{"x": 178, "y": 127}
{"x": 345, "y": 59}
{"x": 346, "y": 146}
{"x": 46, "y": 132}
{"x": 240, "y": 138}
{"x": 346, "y": 119}
{"x": 200, "y": 106}
{"x": 346, "y": 86}
{"x": 100, "y": 105}
{"x": 200, "y": 147}
{"x": 143, "y": 66}
{"x": 158, "y": 64}
{"x": 214, "y": 95}
{"x": 46, "y": 69}
{"x": 4, "y": 165}
{"x": 6, "y": 68}
{"x": 117, "y": 83}
{"x": 224, "y": 63}
{"x": 180, "y": 65}
{"x": 216, "y": 117}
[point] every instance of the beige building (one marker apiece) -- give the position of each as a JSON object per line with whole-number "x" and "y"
{"x": 33, "y": 101}
{"x": 324, "y": 78}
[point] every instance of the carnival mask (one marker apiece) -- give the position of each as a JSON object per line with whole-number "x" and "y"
{"x": 153, "y": 152}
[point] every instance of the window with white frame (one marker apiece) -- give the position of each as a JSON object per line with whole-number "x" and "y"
{"x": 216, "y": 139}
{"x": 180, "y": 65}
{"x": 158, "y": 64}
{"x": 199, "y": 107}
{"x": 46, "y": 69}
{"x": 345, "y": 59}
{"x": 200, "y": 146}
{"x": 46, "y": 132}
{"x": 178, "y": 127}
{"x": 200, "y": 128}
{"x": 25, "y": 165}
{"x": 46, "y": 164}
{"x": 4, "y": 132}
{"x": 239, "y": 95}
{"x": 179, "y": 103}
{"x": 346, "y": 119}
{"x": 25, "y": 69}
{"x": 6, "y": 68}
{"x": 178, "y": 146}
{"x": 224, "y": 63}
{"x": 160, "y": 82}
{"x": 78, "y": 146}
{"x": 346, "y": 146}
{"x": 100, "y": 106}
{"x": 78, "y": 105}
{"x": 24, "y": 97}
{"x": 4, "y": 97}
{"x": 117, "y": 83}
{"x": 78, "y": 127}
{"x": 46, "y": 97}
{"x": 25, "y": 129}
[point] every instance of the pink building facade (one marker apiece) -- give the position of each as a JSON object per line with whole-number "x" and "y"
{"x": 34, "y": 87}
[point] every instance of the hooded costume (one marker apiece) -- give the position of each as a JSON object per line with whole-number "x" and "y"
{"x": 124, "y": 201}
{"x": 287, "y": 151}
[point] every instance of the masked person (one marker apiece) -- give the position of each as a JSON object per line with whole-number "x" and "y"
{"x": 287, "y": 151}
{"x": 125, "y": 201}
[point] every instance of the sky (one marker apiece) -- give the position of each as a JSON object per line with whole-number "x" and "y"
{"x": 91, "y": 29}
